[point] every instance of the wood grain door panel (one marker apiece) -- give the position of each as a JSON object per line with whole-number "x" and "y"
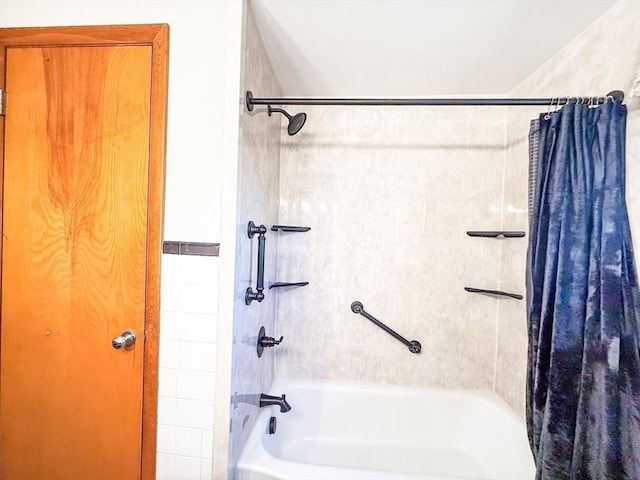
{"x": 78, "y": 209}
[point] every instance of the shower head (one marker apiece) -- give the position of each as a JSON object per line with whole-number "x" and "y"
{"x": 295, "y": 123}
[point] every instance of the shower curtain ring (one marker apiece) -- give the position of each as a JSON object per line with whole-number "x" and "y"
{"x": 548, "y": 115}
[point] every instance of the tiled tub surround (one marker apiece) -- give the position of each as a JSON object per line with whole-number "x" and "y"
{"x": 257, "y": 200}
{"x": 389, "y": 194}
{"x": 604, "y": 58}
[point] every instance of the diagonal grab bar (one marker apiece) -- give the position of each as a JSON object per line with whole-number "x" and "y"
{"x": 413, "y": 345}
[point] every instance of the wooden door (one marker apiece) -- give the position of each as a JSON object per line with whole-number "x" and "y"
{"x": 81, "y": 234}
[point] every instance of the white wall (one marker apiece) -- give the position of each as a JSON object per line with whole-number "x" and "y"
{"x": 203, "y": 56}
{"x": 196, "y": 93}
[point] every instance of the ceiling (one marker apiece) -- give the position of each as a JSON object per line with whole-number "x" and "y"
{"x": 365, "y": 48}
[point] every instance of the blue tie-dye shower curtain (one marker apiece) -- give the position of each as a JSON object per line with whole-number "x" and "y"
{"x": 583, "y": 385}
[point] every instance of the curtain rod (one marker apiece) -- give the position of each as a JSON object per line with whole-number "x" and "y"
{"x": 616, "y": 95}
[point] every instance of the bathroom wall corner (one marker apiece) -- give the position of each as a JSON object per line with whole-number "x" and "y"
{"x": 254, "y": 179}
{"x": 233, "y": 105}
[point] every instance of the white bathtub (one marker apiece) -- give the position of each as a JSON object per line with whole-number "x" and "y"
{"x": 351, "y": 432}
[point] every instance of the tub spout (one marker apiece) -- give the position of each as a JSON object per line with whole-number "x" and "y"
{"x": 267, "y": 400}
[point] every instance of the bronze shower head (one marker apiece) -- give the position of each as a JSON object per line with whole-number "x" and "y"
{"x": 296, "y": 121}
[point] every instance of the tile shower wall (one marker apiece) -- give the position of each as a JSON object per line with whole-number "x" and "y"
{"x": 257, "y": 200}
{"x": 605, "y": 57}
{"x": 389, "y": 194}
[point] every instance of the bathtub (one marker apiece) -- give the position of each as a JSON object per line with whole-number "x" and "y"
{"x": 354, "y": 432}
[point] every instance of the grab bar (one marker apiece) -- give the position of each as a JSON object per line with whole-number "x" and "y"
{"x": 413, "y": 345}
{"x": 496, "y": 234}
{"x": 499, "y": 293}
{"x": 250, "y": 295}
{"x": 288, "y": 284}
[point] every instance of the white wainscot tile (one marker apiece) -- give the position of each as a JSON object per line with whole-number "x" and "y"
{"x": 206, "y": 470}
{"x": 188, "y": 442}
{"x": 164, "y": 467}
{"x": 199, "y": 269}
{"x": 207, "y": 444}
{"x": 198, "y": 298}
{"x": 171, "y": 268}
{"x": 168, "y": 353}
{"x": 198, "y": 328}
{"x": 186, "y": 468}
{"x": 170, "y": 295}
{"x": 165, "y": 439}
{"x": 166, "y": 410}
{"x": 170, "y": 325}
{"x": 194, "y": 413}
{"x": 196, "y": 356}
{"x": 195, "y": 385}
{"x": 167, "y": 381}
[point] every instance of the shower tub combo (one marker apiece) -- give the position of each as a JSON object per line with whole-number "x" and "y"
{"x": 354, "y": 432}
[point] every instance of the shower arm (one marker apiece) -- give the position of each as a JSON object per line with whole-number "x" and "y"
{"x": 413, "y": 345}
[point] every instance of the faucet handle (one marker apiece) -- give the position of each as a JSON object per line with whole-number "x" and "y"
{"x": 264, "y": 341}
{"x": 270, "y": 341}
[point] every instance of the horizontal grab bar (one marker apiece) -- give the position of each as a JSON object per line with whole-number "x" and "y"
{"x": 500, "y": 293}
{"x": 413, "y": 345}
{"x": 496, "y": 234}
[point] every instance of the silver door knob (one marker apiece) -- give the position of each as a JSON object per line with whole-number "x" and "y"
{"x": 127, "y": 339}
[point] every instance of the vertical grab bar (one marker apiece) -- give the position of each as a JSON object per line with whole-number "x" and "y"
{"x": 413, "y": 345}
{"x": 250, "y": 295}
